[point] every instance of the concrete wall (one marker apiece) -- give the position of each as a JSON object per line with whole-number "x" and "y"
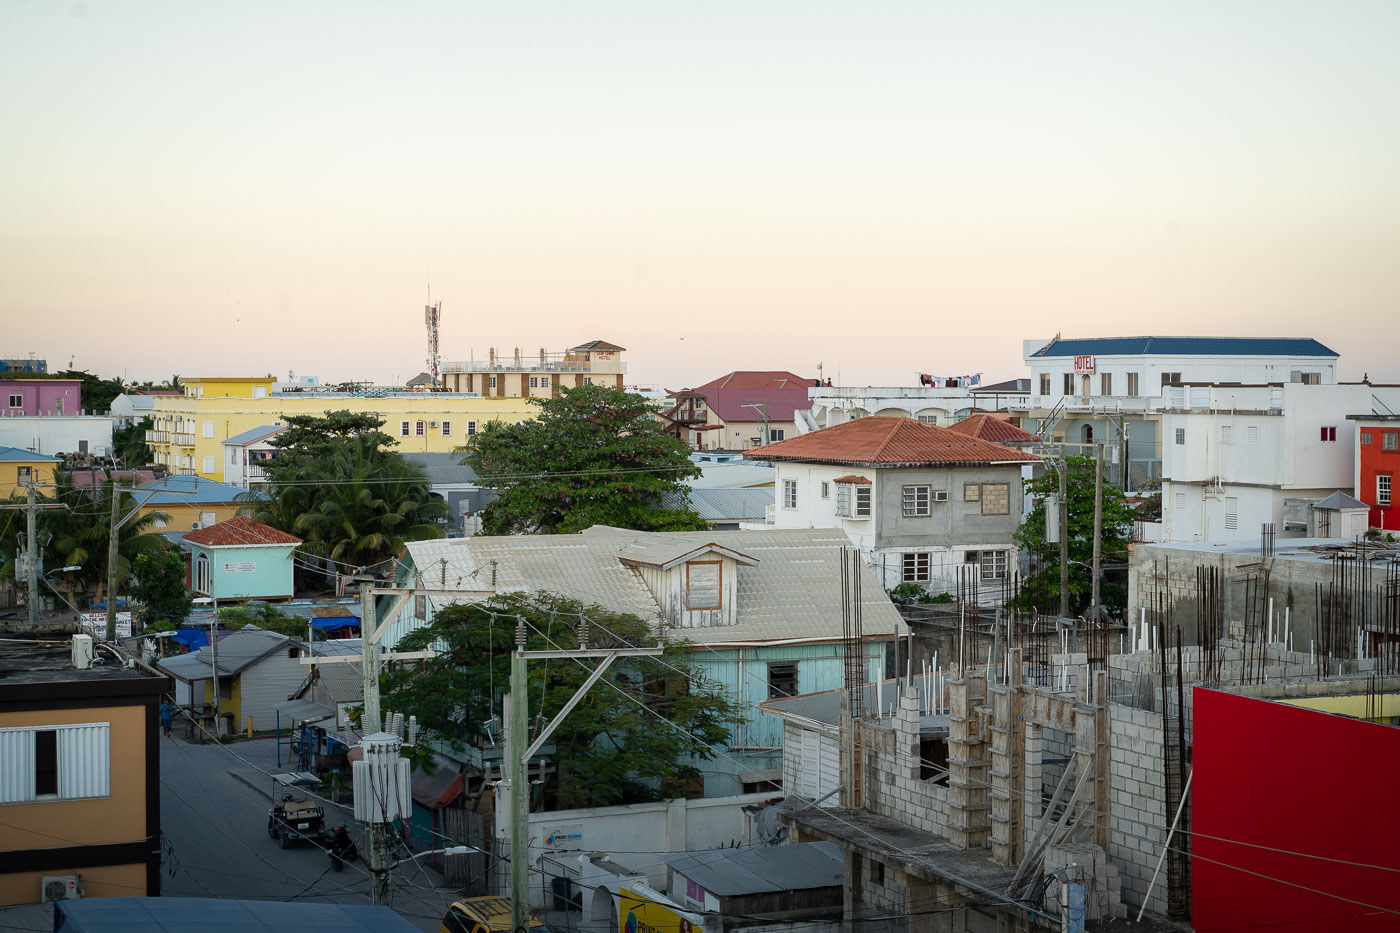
{"x": 54, "y": 434}
{"x": 41, "y": 396}
{"x": 1138, "y": 827}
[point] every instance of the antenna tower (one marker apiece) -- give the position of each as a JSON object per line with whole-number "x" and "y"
{"x": 431, "y": 315}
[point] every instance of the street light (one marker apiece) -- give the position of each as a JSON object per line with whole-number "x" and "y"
{"x": 213, "y": 648}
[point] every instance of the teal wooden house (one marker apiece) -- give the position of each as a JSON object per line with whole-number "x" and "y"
{"x": 241, "y": 559}
{"x": 762, "y": 611}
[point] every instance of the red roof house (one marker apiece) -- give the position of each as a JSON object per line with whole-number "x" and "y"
{"x": 729, "y": 413}
{"x": 994, "y": 428}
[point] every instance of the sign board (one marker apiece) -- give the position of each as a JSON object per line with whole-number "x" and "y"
{"x": 95, "y": 624}
{"x": 240, "y": 566}
{"x": 1083, "y": 365}
{"x": 637, "y": 914}
{"x": 342, "y": 715}
{"x": 569, "y": 836}
{"x": 604, "y": 354}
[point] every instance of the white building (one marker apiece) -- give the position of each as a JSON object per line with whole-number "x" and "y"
{"x": 56, "y": 434}
{"x": 1112, "y": 390}
{"x": 246, "y": 453}
{"x": 1235, "y": 455}
{"x": 937, "y": 405}
{"x": 924, "y": 504}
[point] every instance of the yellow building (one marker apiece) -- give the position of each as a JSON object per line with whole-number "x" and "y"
{"x": 79, "y": 777}
{"x": 189, "y": 502}
{"x": 188, "y": 431}
{"x": 594, "y": 363}
{"x": 19, "y": 468}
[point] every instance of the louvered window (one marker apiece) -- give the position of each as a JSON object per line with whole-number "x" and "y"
{"x": 59, "y": 763}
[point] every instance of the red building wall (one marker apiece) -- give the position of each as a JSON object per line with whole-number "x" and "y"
{"x": 1293, "y": 783}
{"x": 1374, "y": 460}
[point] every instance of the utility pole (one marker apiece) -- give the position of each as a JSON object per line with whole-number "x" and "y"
{"x": 1098, "y": 529}
{"x": 1064, "y": 537}
{"x": 369, "y": 725}
{"x": 31, "y": 558}
{"x": 762, "y": 409}
{"x": 520, "y": 755}
{"x": 112, "y": 587}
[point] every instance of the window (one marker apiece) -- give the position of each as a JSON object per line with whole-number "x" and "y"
{"x": 852, "y": 500}
{"x": 258, "y": 391}
{"x": 58, "y": 406}
{"x": 24, "y": 474}
{"x": 1044, "y": 383}
{"x": 1169, "y": 378}
{"x": 420, "y": 428}
{"x": 915, "y": 568}
{"x": 208, "y": 465}
{"x": 447, "y": 429}
{"x": 403, "y": 429}
{"x": 534, "y": 382}
{"x": 1366, "y": 437}
{"x": 929, "y": 419}
{"x": 16, "y": 401}
{"x": 233, "y": 455}
{"x": 916, "y": 500}
{"x": 782, "y": 680}
{"x": 1252, "y": 434}
{"x": 1232, "y": 513}
{"x": 67, "y": 762}
{"x": 1390, "y": 441}
{"x": 471, "y": 428}
{"x": 208, "y": 429}
{"x": 1132, "y": 384}
{"x": 993, "y": 565}
{"x": 1329, "y": 434}
{"x": 703, "y": 584}
{"x": 972, "y": 492}
{"x": 996, "y": 499}
{"x": 420, "y": 607}
{"x": 775, "y": 434}
{"x": 1310, "y": 379}
{"x": 826, "y": 490}
{"x": 208, "y": 518}
{"x": 1180, "y": 436}
{"x": 588, "y": 380}
{"x": 789, "y": 493}
{"x": 1382, "y": 489}
{"x": 1227, "y": 434}
{"x": 493, "y": 382}
{"x": 1105, "y": 383}
{"x": 1069, "y": 384}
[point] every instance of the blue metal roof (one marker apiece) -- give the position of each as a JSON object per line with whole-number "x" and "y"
{"x": 255, "y": 434}
{"x": 16, "y": 453}
{"x": 191, "y": 490}
{"x": 211, "y": 915}
{"x": 728, "y": 872}
{"x": 1185, "y": 346}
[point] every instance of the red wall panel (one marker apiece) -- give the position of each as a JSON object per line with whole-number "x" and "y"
{"x": 1293, "y": 783}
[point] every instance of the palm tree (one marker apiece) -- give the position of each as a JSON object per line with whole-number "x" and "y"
{"x": 78, "y": 535}
{"x": 357, "y": 505}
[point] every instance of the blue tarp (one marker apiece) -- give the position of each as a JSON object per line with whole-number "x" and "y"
{"x": 210, "y": 915}
{"x": 192, "y": 638}
{"x": 121, "y": 604}
{"x": 335, "y": 623}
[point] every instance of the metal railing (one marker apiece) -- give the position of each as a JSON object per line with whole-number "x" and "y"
{"x": 534, "y": 366}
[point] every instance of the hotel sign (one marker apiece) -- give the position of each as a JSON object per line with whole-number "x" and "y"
{"x": 1083, "y": 365}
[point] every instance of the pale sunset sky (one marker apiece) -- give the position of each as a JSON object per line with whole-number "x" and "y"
{"x": 884, "y": 187}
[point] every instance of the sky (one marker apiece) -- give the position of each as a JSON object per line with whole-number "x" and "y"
{"x": 884, "y": 188}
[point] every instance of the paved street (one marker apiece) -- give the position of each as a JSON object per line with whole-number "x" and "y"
{"x": 216, "y": 842}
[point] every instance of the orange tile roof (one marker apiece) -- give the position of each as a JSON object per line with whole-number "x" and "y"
{"x": 995, "y": 429}
{"x": 889, "y": 441}
{"x": 853, "y": 480}
{"x": 239, "y": 531}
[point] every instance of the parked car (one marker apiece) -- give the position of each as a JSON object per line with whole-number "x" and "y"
{"x": 293, "y": 818}
{"x": 483, "y": 915}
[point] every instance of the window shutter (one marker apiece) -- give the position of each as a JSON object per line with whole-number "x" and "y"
{"x": 17, "y": 776}
{"x": 84, "y": 761}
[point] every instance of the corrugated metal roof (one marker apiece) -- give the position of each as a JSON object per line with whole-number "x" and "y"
{"x": 729, "y": 872}
{"x": 793, "y": 592}
{"x": 186, "y": 489}
{"x": 725, "y": 505}
{"x": 444, "y": 469}
{"x": 889, "y": 441}
{"x": 780, "y": 391}
{"x": 1340, "y": 500}
{"x": 734, "y": 474}
{"x": 1185, "y": 346}
{"x": 253, "y": 435}
{"x": 26, "y": 456}
{"x": 304, "y": 711}
{"x": 237, "y": 651}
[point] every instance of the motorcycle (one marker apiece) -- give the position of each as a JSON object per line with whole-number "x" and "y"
{"x": 341, "y": 848}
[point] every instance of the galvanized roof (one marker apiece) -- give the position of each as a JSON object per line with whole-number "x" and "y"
{"x": 237, "y": 652}
{"x": 725, "y": 505}
{"x": 26, "y": 456}
{"x": 729, "y": 872}
{"x": 793, "y": 592}
{"x": 444, "y": 468}
{"x": 1185, "y": 346}
{"x": 1339, "y": 500}
{"x": 190, "y": 489}
{"x": 253, "y": 435}
{"x": 734, "y": 474}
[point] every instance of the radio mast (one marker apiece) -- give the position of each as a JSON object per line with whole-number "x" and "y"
{"x": 431, "y": 315}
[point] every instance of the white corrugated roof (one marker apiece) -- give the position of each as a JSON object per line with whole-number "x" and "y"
{"x": 792, "y": 592}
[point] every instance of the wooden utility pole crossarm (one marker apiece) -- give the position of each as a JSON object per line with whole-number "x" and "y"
{"x": 32, "y": 510}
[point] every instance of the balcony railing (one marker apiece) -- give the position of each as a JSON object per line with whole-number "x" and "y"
{"x": 183, "y": 440}
{"x": 157, "y": 437}
{"x": 611, "y": 367}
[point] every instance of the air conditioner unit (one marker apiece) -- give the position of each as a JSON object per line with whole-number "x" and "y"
{"x": 940, "y": 495}
{"x": 195, "y": 526}
{"x": 432, "y": 424}
{"x": 59, "y": 888}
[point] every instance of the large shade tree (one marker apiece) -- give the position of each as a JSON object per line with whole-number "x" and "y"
{"x": 636, "y": 735}
{"x": 595, "y": 455}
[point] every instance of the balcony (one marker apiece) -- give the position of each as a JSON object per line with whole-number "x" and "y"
{"x": 183, "y": 440}
{"x": 608, "y": 367}
{"x": 157, "y": 437}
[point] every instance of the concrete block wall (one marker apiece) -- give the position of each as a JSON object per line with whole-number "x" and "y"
{"x": 1138, "y": 824}
{"x": 893, "y": 786}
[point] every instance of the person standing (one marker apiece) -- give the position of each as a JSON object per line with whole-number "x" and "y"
{"x": 166, "y": 714}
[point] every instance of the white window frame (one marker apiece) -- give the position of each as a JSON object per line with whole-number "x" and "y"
{"x": 447, "y": 429}
{"x": 1382, "y": 489}
{"x": 853, "y": 500}
{"x": 1232, "y": 513}
{"x": 914, "y": 567}
{"x": 826, "y": 489}
{"x": 1132, "y": 385}
{"x": 1390, "y": 441}
{"x": 992, "y": 565}
{"x": 789, "y": 494}
{"x": 80, "y": 780}
{"x": 208, "y": 465}
{"x": 916, "y": 500}
{"x": 1180, "y": 437}
{"x": 471, "y": 428}
{"x": 420, "y": 429}
{"x": 405, "y": 428}
{"x": 16, "y": 400}
{"x": 1227, "y": 434}
{"x": 208, "y": 429}
{"x": 1105, "y": 383}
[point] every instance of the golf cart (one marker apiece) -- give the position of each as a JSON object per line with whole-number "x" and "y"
{"x": 293, "y": 815}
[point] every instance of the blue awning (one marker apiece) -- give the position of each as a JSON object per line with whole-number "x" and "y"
{"x": 193, "y": 638}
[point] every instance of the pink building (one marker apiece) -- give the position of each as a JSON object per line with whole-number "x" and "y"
{"x": 41, "y": 397}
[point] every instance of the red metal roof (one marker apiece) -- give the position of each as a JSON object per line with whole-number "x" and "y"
{"x": 893, "y": 441}
{"x": 995, "y": 429}
{"x": 780, "y": 391}
{"x": 240, "y": 531}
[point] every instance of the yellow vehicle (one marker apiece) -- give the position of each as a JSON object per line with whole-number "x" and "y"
{"x": 483, "y": 915}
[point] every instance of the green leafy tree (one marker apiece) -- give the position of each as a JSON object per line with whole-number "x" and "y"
{"x": 1041, "y": 590}
{"x": 594, "y": 456}
{"x": 98, "y": 393}
{"x": 160, "y": 587}
{"x": 130, "y": 444}
{"x": 351, "y": 500}
{"x": 263, "y": 616}
{"x": 78, "y": 535}
{"x": 634, "y": 737}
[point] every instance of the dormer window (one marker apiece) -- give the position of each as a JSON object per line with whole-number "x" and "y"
{"x": 703, "y": 588}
